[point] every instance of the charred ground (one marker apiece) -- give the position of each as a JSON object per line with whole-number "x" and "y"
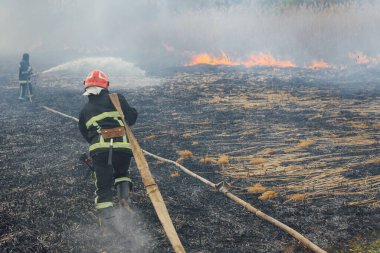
{"x": 288, "y": 130}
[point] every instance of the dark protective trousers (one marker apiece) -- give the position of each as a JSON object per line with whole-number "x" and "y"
{"x": 24, "y": 89}
{"x": 107, "y": 176}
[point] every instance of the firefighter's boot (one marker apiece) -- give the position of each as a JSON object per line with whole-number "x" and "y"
{"x": 107, "y": 220}
{"x": 123, "y": 189}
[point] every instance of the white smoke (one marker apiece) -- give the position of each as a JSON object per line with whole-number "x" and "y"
{"x": 129, "y": 234}
{"x": 168, "y": 32}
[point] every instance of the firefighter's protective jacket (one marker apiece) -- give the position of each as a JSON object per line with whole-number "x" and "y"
{"x": 25, "y": 72}
{"x": 99, "y": 113}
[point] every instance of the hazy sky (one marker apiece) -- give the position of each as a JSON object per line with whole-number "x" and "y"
{"x": 160, "y": 33}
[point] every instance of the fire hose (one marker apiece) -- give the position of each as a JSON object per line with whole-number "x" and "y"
{"x": 223, "y": 187}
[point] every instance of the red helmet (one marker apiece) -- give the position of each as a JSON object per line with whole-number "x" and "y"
{"x": 96, "y": 78}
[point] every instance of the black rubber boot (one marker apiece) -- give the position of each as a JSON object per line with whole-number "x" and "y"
{"x": 123, "y": 189}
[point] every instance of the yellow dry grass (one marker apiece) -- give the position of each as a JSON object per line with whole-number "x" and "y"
{"x": 150, "y": 137}
{"x": 268, "y": 195}
{"x": 358, "y": 140}
{"x": 223, "y": 159}
{"x": 180, "y": 160}
{"x": 285, "y": 162}
{"x": 257, "y": 160}
{"x": 315, "y": 117}
{"x": 208, "y": 160}
{"x": 267, "y": 151}
{"x": 373, "y": 161}
{"x": 293, "y": 168}
{"x": 257, "y": 188}
{"x": 296, "y": 197}
{"x": 376, "y": 125}
{"x": 248, "y": 105}
{"x": 360, "y": 125}
{"x": 185, "y": 153}
{"x": 189, "y": 134}
{"x": 305, "y": 143}
{"x": 361, "y": 202}
{"x": 243, "y": 100}
{"x": 175, "y": 174}
{"x": 215, "y": 100}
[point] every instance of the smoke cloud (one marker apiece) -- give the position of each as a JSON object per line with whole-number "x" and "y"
{"x": 156, "y": 34}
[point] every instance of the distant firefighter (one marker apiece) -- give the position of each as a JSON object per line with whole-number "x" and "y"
{"x": 102, "y": 127}
{"x": 24, "y": 76}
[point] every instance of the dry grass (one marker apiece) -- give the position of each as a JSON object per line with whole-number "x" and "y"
{"x": 189, "y": 134}
{"x": 358, "y": 140}
{"x": 243, "y": 101}
{"x": 360, "y": 125}
{"x": 296, "y": 197}
{"x": 246, "y": 103}
{"x": 376, "y": 125}
{"x": 305, "y": 143}
{"x": 185, "y": 153}
{"x": 267, "y": 151}
{"x": 361, "y": 202}
{"x": 288, "y": 248}
{"x": 190, "y": 87}
{"x": 175, "y": 174}
{"x": 373, "y": 161}
{"x": 257, "y": 188}
{"x": 294, "y": 158}
{"x": 268, "y": 195}
{"x": 150, "y": 137}
{"x": 302, "y": 144}
{"x": 215, "y": 100}
{"x": 208, "y": 160}
{"x": 315, "y": 117}
{"x": 180, "y": 160}
{"x": 223, "y": 159}
{"x": 257, "y": 160}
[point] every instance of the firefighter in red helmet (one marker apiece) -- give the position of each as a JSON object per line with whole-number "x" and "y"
{"x": 111, "y": 156}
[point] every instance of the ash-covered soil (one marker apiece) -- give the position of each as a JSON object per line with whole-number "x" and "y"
{"x": 47, "y": 203}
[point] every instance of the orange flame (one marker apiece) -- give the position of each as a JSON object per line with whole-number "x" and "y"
{"x": 359, "y": 57}
{"x": 363, "y": 59}
{"x": 211, "y": 60}
{"x": 319, "y": 64}
{"x": 261, "y": 59}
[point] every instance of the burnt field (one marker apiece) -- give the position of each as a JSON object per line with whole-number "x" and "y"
{"x": 301, "y": 145}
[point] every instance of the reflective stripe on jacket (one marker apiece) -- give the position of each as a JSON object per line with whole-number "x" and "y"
{"x": 102, "y": 144}
{"x": 98, "y": 114}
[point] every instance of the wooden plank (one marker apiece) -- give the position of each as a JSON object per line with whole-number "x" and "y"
{"x": 149, "y": 183}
